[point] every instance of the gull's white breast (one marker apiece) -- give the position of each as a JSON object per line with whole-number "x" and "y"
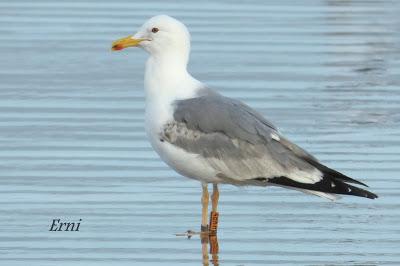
{"x": 188, "y": 164}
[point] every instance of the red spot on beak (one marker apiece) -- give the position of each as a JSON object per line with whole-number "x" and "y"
{"x": 118, "y": 47}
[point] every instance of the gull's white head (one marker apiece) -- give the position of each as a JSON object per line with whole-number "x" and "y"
{"x": 160, "y": 35}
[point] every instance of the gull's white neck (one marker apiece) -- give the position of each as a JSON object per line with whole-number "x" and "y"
{"x": 167, "y": 79}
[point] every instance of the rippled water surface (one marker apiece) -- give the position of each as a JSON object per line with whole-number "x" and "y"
{"x": 72, "y": 143}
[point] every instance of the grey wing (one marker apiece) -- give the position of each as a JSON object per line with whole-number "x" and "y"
{"x": 239, "y": 143}
{"x": 245, "y": 148}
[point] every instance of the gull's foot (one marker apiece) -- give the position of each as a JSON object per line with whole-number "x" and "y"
{"x": 189, "y": 233}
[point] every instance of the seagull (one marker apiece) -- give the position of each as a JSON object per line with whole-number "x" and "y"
{"x": 214, "y": 139}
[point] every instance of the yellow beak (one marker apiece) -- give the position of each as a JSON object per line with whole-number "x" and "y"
{"x": 125, "y": 43}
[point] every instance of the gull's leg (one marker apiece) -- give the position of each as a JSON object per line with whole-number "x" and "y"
{"x": 204, "y": 217}
{"x": 204, "y": 251}
{"x": 214, "y": 213}
{"x": 204, "y": 210}
{"x": 214, "y": 249}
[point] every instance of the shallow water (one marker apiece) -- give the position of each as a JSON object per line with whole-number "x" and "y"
{"x": 73, "y": 144}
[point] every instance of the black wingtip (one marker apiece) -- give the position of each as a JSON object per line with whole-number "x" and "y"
{"x": 371, "y": 195}
{"x": 346, "y": 189}
{"x": 327, "y": 185}
{"x": 329, "y": 172}
{"x": 353, "y": 181}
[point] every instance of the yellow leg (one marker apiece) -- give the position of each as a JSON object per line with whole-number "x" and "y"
{"x": 214, "y": 211}
{"x": 214, "y": 249}
{"x": 215, "y": 198}
{"x": 204, "y": 212}
{"x": 204, "y": 251}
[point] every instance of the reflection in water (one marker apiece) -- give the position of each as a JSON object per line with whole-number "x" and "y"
{"x": 364, "y": 51}
{"x": 212, "y": 241}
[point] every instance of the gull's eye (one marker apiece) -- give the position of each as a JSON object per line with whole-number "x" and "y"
{"x": 154, "y": 30}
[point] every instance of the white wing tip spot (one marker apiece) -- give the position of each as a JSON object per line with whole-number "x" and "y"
{"x": 349, "y": 189}
{"x": 275, "y": 137}
{"x": 235, "y": 142}
{"x": 333, "y": 184}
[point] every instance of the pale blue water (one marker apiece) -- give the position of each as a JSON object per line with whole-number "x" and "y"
{"x": 72, "y": 143}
